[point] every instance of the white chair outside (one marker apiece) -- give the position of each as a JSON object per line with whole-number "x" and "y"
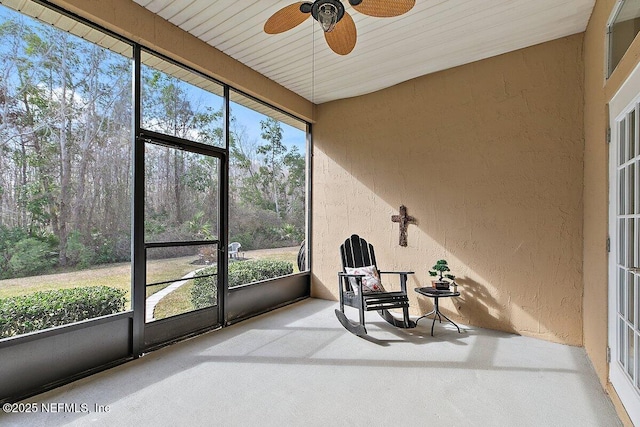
{"x": 234, "y": 247}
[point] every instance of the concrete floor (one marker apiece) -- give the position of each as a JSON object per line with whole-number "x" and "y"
{"x": 298, "y": 366}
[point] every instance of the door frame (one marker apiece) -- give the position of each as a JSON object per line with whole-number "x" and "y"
{"x": 626, "y": 98}
{"x": 160, "y": 332}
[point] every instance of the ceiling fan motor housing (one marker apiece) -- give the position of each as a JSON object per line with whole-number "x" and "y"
{"x": 315, "y": 7}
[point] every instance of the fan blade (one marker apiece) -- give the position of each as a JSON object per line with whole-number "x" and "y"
{"x": 342, "y": 39}
{"x": 384, "y": 8}
{"x": 285, "y": 19}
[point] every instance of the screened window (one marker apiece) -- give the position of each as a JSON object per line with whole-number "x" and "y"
{"x": 65, "y": 171}
{"x": 180, "y": 103}
{"x": 66, "y": 177}
{"x": 267, "y": 187}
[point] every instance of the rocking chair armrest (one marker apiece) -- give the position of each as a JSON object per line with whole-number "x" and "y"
{"x": 341, "y": 274}
{"x": 397, "y": 272}
{"x": 403, "y": 278}
{"x": 358, "y": 278}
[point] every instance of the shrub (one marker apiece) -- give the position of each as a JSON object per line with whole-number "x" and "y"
{"x": 8, "y": 238}
{"x": 208, "y": 254}
{"x": 46, "y": 309}
{"x": 241, "y": 273}
{"x": 203, "y": 291}
{"x": 77, "y": 253}
{"x": 31, "y": 256}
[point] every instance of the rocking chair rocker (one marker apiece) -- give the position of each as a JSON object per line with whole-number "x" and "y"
{"x": 354, "y": 287}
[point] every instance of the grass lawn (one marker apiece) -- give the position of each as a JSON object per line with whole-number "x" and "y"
{"x": 179, "y": 301}
{"x": 119, "y": 276}
{"x": 113, "y": 275}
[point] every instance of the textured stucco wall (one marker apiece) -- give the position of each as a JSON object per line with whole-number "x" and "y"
{"x": 596, "y": 190}
{"x": 131, "y": 20}
{"x": 598, "y": 92}
{"x": 488, "y": 158}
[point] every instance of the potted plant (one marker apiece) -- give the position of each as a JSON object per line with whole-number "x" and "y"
{"x": 440, "y": 270}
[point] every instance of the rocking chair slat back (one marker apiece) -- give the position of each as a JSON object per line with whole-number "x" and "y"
{"x": 356, "y": 252}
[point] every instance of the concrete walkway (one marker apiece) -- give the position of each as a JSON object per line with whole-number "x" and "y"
{"x": 154, "y": 299}
{"x": 297, "y": 366}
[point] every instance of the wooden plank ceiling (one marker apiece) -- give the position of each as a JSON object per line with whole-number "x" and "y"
{"x": 433, "y": 36}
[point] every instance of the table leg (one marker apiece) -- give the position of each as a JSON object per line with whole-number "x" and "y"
{"x": 433, "y": 323}
{"x": 437, "y": 315}
{"x": 426, "y": 315}
{"x": 452, "y": 322}
{"x": 435, "y": 312}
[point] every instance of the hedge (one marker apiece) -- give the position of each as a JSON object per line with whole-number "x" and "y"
{"x": 203, "y": 291}
{"x": 46, "y": 309}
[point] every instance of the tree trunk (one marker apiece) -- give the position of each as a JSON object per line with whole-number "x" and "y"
{"x": 42, "y": 174}
{"x": 23, "y": 182}
{"x": 178, "y": 172}
{"x": 65, "y": 163}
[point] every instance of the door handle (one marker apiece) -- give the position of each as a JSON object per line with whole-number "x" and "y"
{"x": 634, "y": 269}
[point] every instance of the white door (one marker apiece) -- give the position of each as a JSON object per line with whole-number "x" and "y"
{"x": 624, "y": 256}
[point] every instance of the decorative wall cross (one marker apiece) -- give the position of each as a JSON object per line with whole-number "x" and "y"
{"x": 404, "y": 221}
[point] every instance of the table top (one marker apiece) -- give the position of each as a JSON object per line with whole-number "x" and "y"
{"x": 433, "y": 292}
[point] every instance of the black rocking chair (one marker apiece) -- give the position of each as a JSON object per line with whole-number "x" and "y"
{"x": 356, "y": 253}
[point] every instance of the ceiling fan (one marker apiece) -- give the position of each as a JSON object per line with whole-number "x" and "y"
{"x": 338, "y": 26}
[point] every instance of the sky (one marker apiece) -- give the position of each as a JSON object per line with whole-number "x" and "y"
{"x": 251, "y": 120}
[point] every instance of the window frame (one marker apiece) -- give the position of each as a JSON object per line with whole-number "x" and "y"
{"x": 137, "y": 133}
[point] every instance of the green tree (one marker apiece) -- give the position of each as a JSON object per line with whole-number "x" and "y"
{"x": 296, "y": 194}
{"x": 180, "y": 184}
{"x": 64, "y": 137}
{"x": 271, "y": 173}
{"x": 269, "y": 180}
